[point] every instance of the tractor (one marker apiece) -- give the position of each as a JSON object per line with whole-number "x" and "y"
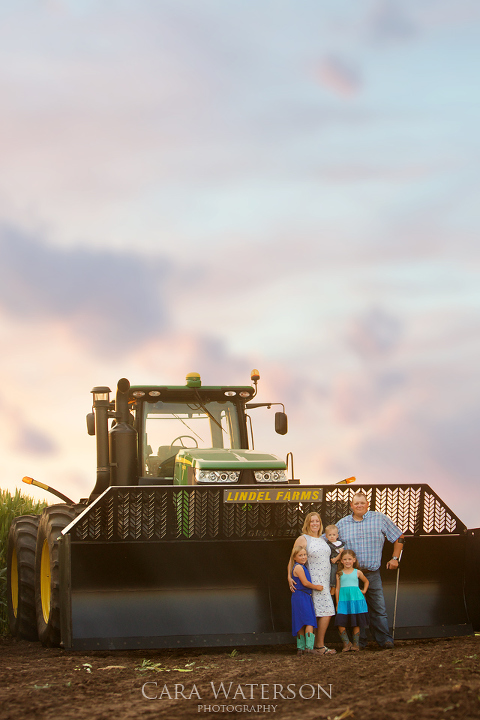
{"x": 185, "y": 537}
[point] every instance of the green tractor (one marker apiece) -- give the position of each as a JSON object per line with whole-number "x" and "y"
{"x": 186, "y": 535}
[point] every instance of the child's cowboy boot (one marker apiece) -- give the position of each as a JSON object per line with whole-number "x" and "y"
{"x": 356, "y": 641}
{"x": 300, "y": 644}
{"x": 309, "y": 642}
{"x": 347, "y": 645}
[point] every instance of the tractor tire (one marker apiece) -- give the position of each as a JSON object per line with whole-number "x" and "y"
{"x": 47, "y": 570}
{"x": 21, "y": 544}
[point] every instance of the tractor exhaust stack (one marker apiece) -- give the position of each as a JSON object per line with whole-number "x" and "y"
{"x": 122, "y": 440}
{"x": 101, "y": 403}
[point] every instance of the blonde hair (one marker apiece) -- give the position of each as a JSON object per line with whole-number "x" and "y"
{"x": 352, "y": 554}
{"x": 296, "y": 549}
{"x": 306, "y": 524}
{"x": 330, "y": 527}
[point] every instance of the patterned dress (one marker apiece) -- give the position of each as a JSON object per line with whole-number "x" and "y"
{"x": 319, "y": 565}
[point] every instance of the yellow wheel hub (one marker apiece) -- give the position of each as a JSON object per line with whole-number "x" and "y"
{"x": 45, "y": 584}
{"x": 14, "y": 582}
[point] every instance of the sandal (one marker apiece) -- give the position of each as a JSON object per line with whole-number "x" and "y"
{"x": 324, "y": 651}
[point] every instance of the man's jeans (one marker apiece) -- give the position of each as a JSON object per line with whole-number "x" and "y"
{"x": 376, "y": 611}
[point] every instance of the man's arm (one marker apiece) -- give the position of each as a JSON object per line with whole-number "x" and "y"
{"x": 397, "y": 551}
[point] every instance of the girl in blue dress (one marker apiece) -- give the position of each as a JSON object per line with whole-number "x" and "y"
{"x": 352, "y": 610}
{"x": 303, "y": 612}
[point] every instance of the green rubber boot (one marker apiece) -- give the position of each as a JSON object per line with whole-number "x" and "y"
{"x": 309, "y": 642}
{"x": 300, "y": 644}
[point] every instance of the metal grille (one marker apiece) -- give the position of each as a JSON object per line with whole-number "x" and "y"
{"x": 183, "y": 513}
{"x": 416, "y": 509}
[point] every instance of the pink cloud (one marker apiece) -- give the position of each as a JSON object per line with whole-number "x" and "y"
{"x": 339, "y": 76}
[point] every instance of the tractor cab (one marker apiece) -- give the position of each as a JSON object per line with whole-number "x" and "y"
{"x": 192, "y": 434}
{"x": 178, "y": 423}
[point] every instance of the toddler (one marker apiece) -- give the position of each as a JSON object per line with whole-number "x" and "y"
{"x": 336, "y": 548}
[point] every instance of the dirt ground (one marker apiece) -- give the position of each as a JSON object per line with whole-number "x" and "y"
{"x": 418, "y": 679}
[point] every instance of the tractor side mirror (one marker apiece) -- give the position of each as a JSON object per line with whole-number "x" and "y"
{"x": 281, "y": 423}
{"x": 91, "y": 423}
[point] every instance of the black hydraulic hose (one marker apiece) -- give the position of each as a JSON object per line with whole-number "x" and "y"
{"x": 31, "y": 481}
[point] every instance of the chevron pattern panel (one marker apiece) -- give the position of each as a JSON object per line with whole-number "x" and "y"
{"x": 416, "y": 509}
{"x": 436, "y": 517}
{"x": 198, "y": 513}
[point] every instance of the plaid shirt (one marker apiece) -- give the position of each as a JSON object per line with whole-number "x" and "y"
{"x": 366, "y": 537}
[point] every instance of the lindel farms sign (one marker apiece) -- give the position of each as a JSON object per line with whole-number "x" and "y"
{"x": 273, "y": 495}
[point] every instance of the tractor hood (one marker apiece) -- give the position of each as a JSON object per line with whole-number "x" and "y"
{"x": 221, "y": 459}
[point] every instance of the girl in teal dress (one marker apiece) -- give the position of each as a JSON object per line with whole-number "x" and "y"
{"x": 352, "y": 610}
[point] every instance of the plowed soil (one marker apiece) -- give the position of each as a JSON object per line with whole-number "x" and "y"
{"x": 417, "y": 679}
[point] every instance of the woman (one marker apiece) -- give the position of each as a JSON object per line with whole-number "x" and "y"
{"x": 319, "y": 566}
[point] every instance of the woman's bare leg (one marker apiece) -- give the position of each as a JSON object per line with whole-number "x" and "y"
{"x": 322, "y": 625}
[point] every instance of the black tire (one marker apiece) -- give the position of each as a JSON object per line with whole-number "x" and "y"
{"x": 21, "y": 544}
{"x": 47, "y": 571}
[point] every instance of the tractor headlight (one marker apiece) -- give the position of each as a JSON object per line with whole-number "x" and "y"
{"x": 270, "y": 476}
{"x": 217, "y": 476}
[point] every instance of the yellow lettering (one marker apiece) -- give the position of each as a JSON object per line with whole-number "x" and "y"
{"x": 280, "y": 495}
{"x": 287, "y": 496}
{"x": 306, "y": 495}
{"x": 252, "y": 496}
{"x": 229, "y": 497}
{"x": 315, "y": 495}
{"x": 243, "y": 496}
{"x": 260, "y": 496}
{"x": 267, "y": 495}
{"x": 296, "y": 496}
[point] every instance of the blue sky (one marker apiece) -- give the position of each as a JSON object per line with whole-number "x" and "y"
{"x": 218, "y": 186}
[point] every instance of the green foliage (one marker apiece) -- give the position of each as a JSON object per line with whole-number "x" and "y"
{"x": 11, "y": 506}
{"x": 157, "y": 667}
{"x": 419, "y": 697}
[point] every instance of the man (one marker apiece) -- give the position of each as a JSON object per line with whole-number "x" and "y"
{"x": 364, "y": 531}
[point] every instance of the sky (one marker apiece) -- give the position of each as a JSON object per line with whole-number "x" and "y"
{"x": 288, "y": 185}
